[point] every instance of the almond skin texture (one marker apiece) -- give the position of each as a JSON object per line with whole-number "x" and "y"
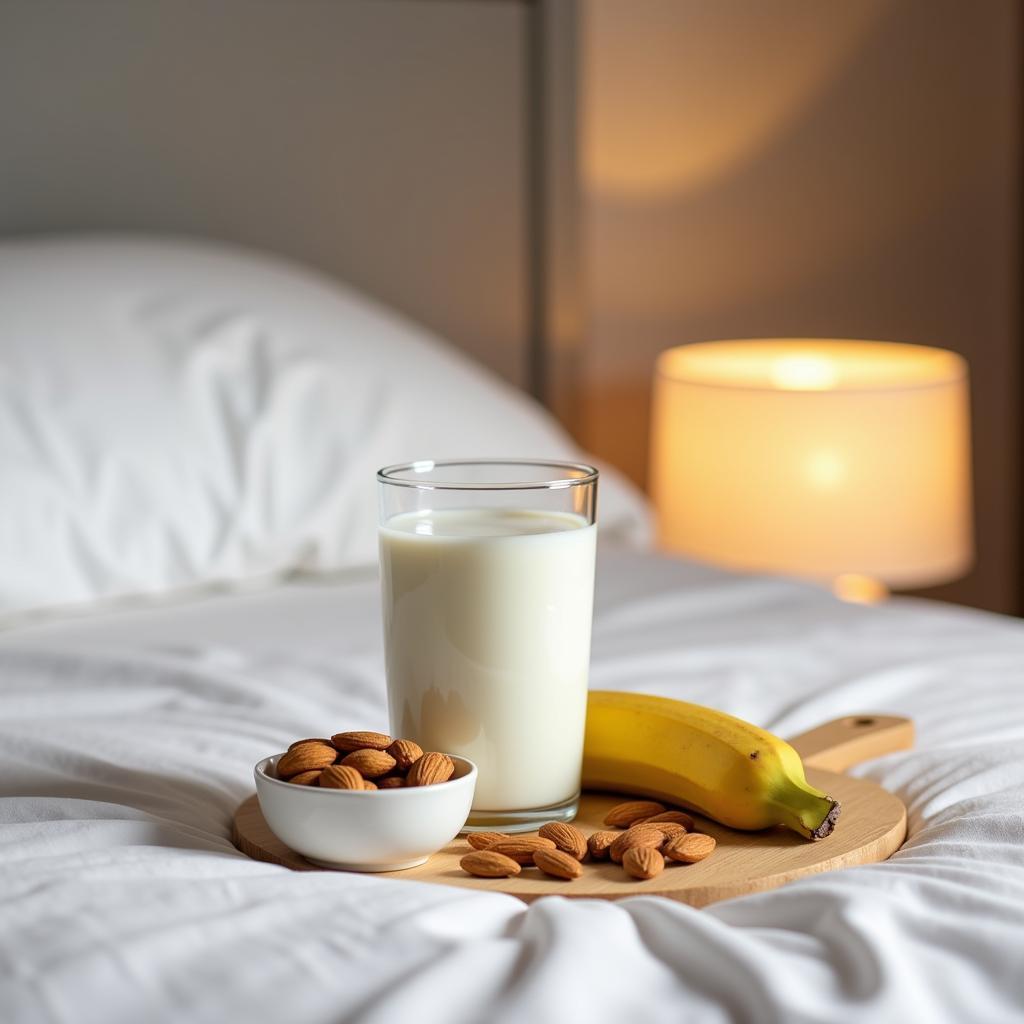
{"x": 558, "y": 864}
{"x": 568, "y": 838}
{"x": 311, "y": 739}
{"x": 305, "y": 778}
{"x": 306, "y": 757}
{"x": 670, "y": 830}
{"x": 340, "y": 776}
{"x": 629, "y": 813}
{"x": 430, "y": 769}
{"x": 406, "y": 753}
{"x": 599, "y": 843}
{"x": 689, "y": 849}
{"x": 369, "y": 762}
{"x": 390, "y": 782}
{"x": 666, "y": 817}
{"x": 643, "y": 863}
{"x": 487, "y": 864}
{"x": 481, "y": 840}
{"x": 638, "y": 836}
{"x": 520, "y": 848}
{"x": 361, "y": 741}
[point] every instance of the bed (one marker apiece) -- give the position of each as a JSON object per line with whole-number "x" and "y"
{"x": 188, "y": 434}
{"x": 127, "y": 739}
{"x": 166, "y": 624}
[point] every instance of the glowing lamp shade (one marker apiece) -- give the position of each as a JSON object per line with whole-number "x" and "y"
{"x": 825, "y": 459}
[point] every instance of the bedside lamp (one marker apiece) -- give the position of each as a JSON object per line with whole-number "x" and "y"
{"x": 842, "y": 461}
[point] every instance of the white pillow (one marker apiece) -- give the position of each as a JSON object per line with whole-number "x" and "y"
{"x": 175, "y": 414}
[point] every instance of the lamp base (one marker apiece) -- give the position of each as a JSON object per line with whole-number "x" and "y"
{"x": 858, "y": 589}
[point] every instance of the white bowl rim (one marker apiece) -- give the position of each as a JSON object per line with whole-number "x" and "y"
{"x": 262, "y": 765}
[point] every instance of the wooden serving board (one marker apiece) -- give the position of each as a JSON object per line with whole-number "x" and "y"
{"x": 871, "y": 827}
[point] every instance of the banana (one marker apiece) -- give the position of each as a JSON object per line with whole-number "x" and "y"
{"x": 722, "y": 767}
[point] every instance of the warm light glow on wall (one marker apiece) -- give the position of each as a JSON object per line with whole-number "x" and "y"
{"x": 686, "y": 95}
{"x": 823, "y": 459}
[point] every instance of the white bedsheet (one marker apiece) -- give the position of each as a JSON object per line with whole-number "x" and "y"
{"x": 126, "y": 741}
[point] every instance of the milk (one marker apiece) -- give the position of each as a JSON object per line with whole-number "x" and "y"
{"x": 487, "y": 631}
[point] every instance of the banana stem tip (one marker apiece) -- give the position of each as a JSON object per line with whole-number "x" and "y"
{"x": 826, "y": 827}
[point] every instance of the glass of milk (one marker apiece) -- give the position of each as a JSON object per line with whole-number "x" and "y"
{"x": 487, "y": 579}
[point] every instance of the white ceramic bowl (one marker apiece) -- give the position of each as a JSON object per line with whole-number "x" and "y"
{"x": 366, "y": 830}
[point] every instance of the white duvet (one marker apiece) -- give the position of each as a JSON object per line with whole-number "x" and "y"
{"x": 127, "y": 741}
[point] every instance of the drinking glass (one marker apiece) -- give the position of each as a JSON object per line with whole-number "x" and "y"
{"x": 487, "y": 580}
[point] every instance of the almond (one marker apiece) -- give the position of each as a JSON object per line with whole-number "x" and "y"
{"x": 567, "y": 838}
{"x": 558, "y": 864}
{"x": 390, "y": 782}
{"x": 481, "y": 840}
{"x": 638, "y": 836}
{"x": 406, "y": 753}
{"x": 311, "y": 739}
{"x": 369, "y": 762}
{"x": 669, "y": 829}
{"x": 306, "y": 757}
{"x": 629, "y": 813}
{"x": 306, "y": 778}
{"x": 676, "y": 817}
{"x": 520, "y": 848}
{"x": 487, "y": 864}
{"x": 361, "y": 741}
{"x": 340, "y": 776}
{"x": 367, "y": 784}
{"x": 690, "y": 848}
{"x": 599, "y": 843}
{"x": 430, "y": 769}
{"x": 643, "y": 862}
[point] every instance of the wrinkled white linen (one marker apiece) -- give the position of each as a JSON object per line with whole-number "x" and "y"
{"x": 126, "y": 741}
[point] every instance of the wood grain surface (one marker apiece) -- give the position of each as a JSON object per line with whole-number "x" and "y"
{"x": 844, "y": 742}
{"x": 871, "y": 827}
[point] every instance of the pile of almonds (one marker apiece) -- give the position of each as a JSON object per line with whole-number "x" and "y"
{"x": 642, "y": 835}
{"x": 362, "y": 760}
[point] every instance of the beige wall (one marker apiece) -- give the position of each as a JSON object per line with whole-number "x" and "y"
{"x": 799, "y": 167}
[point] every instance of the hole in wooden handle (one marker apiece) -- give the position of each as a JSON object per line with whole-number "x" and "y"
{"x": 862, "y": 721}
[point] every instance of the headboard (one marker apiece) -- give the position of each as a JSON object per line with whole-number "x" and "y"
{"x": 405, "y": 146}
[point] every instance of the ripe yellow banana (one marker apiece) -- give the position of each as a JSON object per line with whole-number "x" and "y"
{"x": 722, "y": 767}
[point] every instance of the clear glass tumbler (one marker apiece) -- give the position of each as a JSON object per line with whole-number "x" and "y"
{"x": 487, "y": 579}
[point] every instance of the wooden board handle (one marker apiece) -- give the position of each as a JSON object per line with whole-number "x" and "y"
{"x": 843, "y": 742}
